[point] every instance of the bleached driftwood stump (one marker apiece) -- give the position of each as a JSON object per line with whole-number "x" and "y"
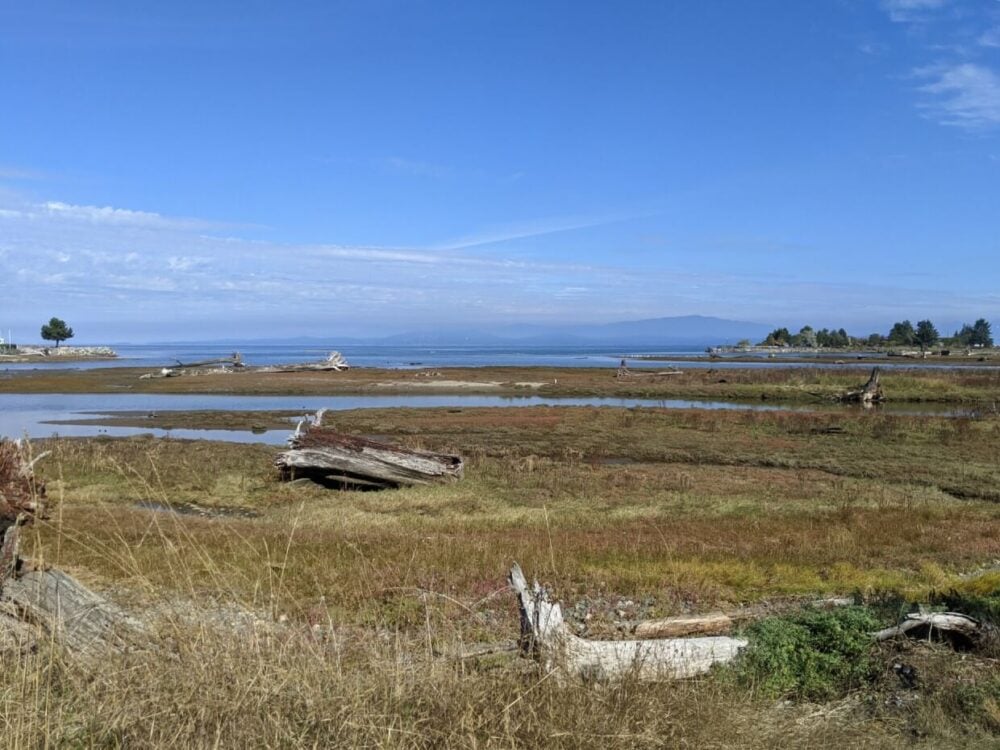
{"x": 78, "y": 618}
{"x": 546, "y": 636}
{"x": 868, "y": 394}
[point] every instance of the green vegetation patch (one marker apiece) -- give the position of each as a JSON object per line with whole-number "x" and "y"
{"x": 812, "y": 655}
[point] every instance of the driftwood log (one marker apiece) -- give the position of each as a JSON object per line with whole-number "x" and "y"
{"x": 349, "y": 462}
{"x": 960, "y": 630}
{"x": 335, "y": 362}
{"x": 75, "y": 616}
{"x": 545, "y": 636}
{"x": 713, "y": 623}
{"x": 868, "y": 394}
{"x": 235, "y": 361}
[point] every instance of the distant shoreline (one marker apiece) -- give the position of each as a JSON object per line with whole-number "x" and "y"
{"x": 804, "y": 355}
{"x": 51, "y": 354}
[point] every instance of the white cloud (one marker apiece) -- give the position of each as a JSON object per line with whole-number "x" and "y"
{"x": 990, "y": 38}
{"x": 185, "y": 263}
{"x": 908, "y": 11}
{"x": 966, "y": 95}
{"x": 113, "y": 216}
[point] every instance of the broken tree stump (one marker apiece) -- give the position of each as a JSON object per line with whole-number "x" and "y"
{"x": 870, "y": 393}
{"x": 22, "y": 499}
{"x": 336, "y": 459}
{"x": 74, "y": 615}
{"x": 546, "y": 636}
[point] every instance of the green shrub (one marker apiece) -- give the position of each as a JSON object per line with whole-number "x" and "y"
{"x": 812, "y": 655}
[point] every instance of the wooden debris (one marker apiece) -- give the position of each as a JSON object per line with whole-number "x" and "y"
{"x": 961, "y": 630}
{"x": 76, "y": 616}
{"x": 624, "y": 372}
{"x": 546, "y": 636}
{"x": 234, "y": 361}
{"x": 22, "y": 499}
{"x": 713, "y": 623}
{"x": 335, "y": 362}
{"x": 870, "y": 393}
{"x": 350, "y": 462}
{"x": 79, "y": 619}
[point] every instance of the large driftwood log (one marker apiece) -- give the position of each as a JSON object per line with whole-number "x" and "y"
{"x": 75, "y": 616}
{"x": 235, "y": 361}
{"x": 546, "y": 636}
{"x": 334, "y": 362}
{"x": 346, "y": 461}
{"x": 870, "y": 393}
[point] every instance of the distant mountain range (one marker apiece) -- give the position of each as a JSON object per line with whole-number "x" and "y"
{"x": 693, "y": 330}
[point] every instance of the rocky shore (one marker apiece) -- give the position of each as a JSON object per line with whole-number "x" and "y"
{"x": 48, "y": 353}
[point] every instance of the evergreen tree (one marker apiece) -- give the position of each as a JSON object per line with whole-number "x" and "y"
{"x": 902, "y": 334}
{"x": 56, "y": 330}
{"x": 981, "y": 334}
{"x": 926, "y": 334}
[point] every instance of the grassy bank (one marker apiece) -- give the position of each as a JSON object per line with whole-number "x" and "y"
{"x": 345, "y": 605}
{"x": 785, "y": 385}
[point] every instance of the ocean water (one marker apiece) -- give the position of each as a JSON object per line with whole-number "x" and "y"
{"x": 160, "y": 355}
{"x": 156, "y": 356}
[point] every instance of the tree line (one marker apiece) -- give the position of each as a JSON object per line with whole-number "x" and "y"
{"x": 902, "y": 333}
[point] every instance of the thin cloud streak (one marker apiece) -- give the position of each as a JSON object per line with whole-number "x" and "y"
{"x": 538, "y": 228}
{"x": 966, "y": 95}
{"x": 911, "y": 11}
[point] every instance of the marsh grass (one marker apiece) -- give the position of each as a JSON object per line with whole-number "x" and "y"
{"x": 326, "y": 619}
{"x": 812, "y": 385}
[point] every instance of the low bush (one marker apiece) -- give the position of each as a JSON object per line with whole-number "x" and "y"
{"x": 811, "y": 655}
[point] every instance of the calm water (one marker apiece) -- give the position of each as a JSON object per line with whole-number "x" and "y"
{"x": 156, "y": 356}
{"x": 34, "y": 414}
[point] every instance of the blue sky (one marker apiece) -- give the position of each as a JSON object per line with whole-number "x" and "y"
{"x": 203, "y": 169}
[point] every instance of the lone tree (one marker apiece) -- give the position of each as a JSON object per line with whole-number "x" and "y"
{"x": 56, "y": 330}
{"x": 926, "y": 334}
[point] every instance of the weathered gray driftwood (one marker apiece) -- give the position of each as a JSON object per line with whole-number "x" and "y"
{"x": 75, "y": 616}
{"x": 960, "y": 629}
{"x": 546, "y": 636}
{"x": 235, "y": 361}
{"x": 870, "y": 393}
{"x": 72, "y": 614}
{"x": 334, "y": 362}
{"x": 335, "y": 458}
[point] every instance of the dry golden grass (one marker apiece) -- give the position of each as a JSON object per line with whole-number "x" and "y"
{"x": 325, "y": 620}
